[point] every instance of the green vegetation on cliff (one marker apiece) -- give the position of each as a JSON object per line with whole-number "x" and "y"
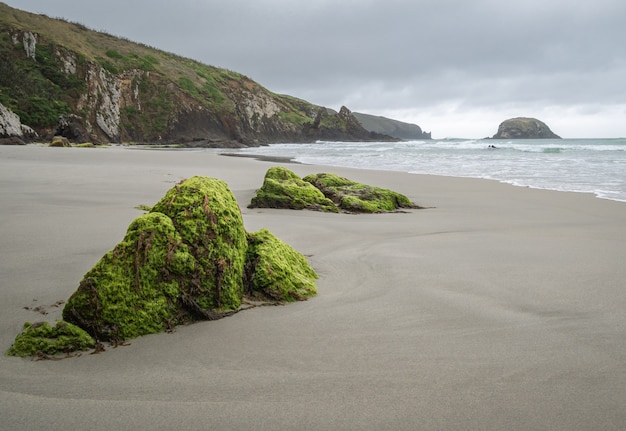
{"x": 120, "y": 91}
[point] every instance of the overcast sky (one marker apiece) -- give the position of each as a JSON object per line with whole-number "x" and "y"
{"x": 457, "y": 68}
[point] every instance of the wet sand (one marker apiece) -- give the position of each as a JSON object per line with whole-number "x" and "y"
{"x": 498, "y": 308}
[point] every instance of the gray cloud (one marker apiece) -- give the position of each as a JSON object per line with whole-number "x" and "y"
{"x": 432, "y": 59}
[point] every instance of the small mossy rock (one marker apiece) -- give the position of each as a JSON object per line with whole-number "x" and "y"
{"x": 60, "y": 141}
{"x": 42, "y": 338}
{"x": 276, "y": 271}
{"x": 206, "y": 214}
{"x": 356, "y": 197}
{"x": 282, "y": 188}
{"x": 134, "y": 289}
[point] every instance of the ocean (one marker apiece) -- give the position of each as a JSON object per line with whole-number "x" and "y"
{"x": 595, "y": 166}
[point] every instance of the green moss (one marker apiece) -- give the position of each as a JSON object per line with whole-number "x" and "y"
{"x": 43, "y": 338}
{"x": 276, "y": 271}
{"x": 356, "y": 197}
{"x": 133, "y": 289}
{"x": 187, "y": 259}
{"x": 207, "y": 216}
{"x": 284, "y": 189}
{"x": 60, "y": 141}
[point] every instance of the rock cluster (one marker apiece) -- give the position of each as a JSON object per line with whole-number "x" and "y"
{"x": 188, "y": 259}
{"x": 282, "y": 188}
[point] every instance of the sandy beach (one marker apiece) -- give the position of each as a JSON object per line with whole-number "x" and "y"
{"x": 497, "y": 308}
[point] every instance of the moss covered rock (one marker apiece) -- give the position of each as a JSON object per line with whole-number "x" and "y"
{"x": 134, "y": 289}
{"x": 185, "y": 261}
{"x": 284, "y": 189}
{"x": 206, "y": 214}
{"x": 41, "y": 338}
{"x": 60, "y": 141}
{"x": 356, "y": 197}
{"x": 276, "y": 271}
{"x": 182, "y": 261}
{"x": 188, "y": 259}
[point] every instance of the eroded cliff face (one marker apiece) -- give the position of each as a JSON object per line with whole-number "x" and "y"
{"x": 131, "y": 93}
{"x": 11, "y": 126}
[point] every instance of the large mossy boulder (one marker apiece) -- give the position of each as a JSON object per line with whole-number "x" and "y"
{"x": 284, "y": 189}
{"x": 276, "y": 271}
{"x": 135, "y": 288}
{"x": 188, "y": 259}
{"x": 351, "y": 196}
{"x": 43, "y": 339}
{"x": 206, "y": 214}
{"x": 181, "y": 262}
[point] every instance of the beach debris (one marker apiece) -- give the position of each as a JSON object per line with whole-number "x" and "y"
{"x": 188, "y": 259}
{"x": 42, "y": 340}
{"x": 284, "y": 189}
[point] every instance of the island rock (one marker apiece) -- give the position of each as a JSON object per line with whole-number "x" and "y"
{"x": 524, "y": 128}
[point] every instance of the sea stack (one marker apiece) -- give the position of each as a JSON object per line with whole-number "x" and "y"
{"x": 524, "y": 128}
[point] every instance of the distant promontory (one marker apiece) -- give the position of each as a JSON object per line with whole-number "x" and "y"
{"x": 524, "y": 128}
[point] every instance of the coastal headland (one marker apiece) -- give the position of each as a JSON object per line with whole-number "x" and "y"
{"x": 496, "y": 307}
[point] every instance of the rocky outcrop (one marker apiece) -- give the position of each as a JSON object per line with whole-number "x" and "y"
{"x": 394, "y": 128}
{"x": 11, "y": 127}
{"x": 353, "y": 197}
{"x": 282, "y": 188}
{"x": 92, "y": 87}
{"x": 524, "y": 128}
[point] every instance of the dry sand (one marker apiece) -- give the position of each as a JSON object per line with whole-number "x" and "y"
{"x": 500, "y": 308}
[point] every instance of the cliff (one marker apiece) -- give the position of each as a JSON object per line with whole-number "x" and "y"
{"x": 524, "y": 128}
{"x": 61, "y": 78}
{"x": 393, "y": 128}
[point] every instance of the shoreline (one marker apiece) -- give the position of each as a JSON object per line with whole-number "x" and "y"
{"x": 498, "y": 307}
